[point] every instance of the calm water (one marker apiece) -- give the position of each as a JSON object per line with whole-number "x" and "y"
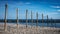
{"x": 57, "y": 25}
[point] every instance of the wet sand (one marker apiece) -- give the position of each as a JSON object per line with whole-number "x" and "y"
{"x": 12, "y": 29}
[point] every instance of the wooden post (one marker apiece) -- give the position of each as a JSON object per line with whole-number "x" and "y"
{"x": 26, "y": 18}
{"x": 26, "y": 21}
{"x": 47, "y": 20}
{"x": 5, "y": 26}
{"x": 17, "y": 19}
{"x": 55, "y": 23}
{"x": 31, "y": 19}
{"x": 37, "y": 19}
{"x": 51, "y": 22}
{"x": 42, "y": 20}
{"x": 37, "y": 22}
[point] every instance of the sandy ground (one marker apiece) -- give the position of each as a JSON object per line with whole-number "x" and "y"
{"x": 12, "y": 29}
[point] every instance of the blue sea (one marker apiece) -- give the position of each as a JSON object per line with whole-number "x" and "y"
{"x": 57, "y": 25}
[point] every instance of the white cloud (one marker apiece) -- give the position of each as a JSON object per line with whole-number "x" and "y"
{"x": 58, "y": 10}
{"x": 55, "y": 6}
{"x": 53, "y": 13}
{"x": 23, "y": 3}
{"x": 27, "y": 3}
{"x": 50, "y": 13}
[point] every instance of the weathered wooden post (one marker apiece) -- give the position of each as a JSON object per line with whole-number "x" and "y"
{"x": 37, "y": 19}
{"x": 55, "y": 23}
{"x": 51, "y": 22}
{"x": 17, "y": 19}
{"x": 47, "y": 21}
{"x": 37, "y": 22}
{"x": 26, "y": 18}
{"x": 31, "y": 19}
{"x": 42, "y": 24}
{"x": 42, "y": 21}
{"x": 26, "y": 21}
{"x": 5, "y": 26}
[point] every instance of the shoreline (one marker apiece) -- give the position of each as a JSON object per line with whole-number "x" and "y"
{"x": 12, "y": 28}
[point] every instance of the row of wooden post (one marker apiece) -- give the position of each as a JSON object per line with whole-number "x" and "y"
{"x": 6, "y": 10}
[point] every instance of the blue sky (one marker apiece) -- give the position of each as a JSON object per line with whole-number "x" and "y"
{"x": 47, "y": 7}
